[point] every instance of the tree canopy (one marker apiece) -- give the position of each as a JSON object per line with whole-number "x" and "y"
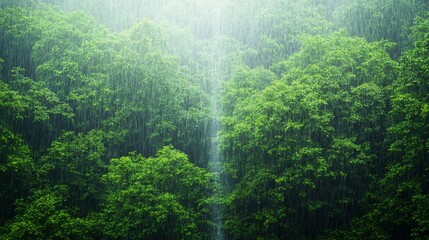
{"x": 230, "y": 119}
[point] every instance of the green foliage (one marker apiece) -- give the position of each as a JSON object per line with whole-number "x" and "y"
{"x": 243, "y": 83}
{"x": 43, "y": 216}
{"x": 15, "y": 154}
{"x": 317, "y": 130}
{"x": 20, "y": 30}
{"x": 72, "y": 59}
{"x": 322, "y": 135}
{"x": 397, "y": 201}
{"x": 32, "y": 105}
{"x": 16, "y": 170}
{"x": 66, "y": 190}
{"x": 273, "y": 27}
{"x": 153, "y": 198}
{"x": 76, "y": 161}
{"x": 125, "y": 84}
{"x": 381, "y": 19}
{"x": 154, "y": 100}
{"x": 405, "y": 184}
{"x": 26, "y": 97}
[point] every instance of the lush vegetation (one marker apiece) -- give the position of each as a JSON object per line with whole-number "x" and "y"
{"x": 174, "y": 119}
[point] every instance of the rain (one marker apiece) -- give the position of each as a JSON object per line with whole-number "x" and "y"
{"x": 214, "y": 119}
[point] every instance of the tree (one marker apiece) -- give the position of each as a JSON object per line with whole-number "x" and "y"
{"x": 155, "y": 102}
{"x": 156, "y": 198}
{"x": 76, "y": 161}
{"x": 16, "y": 171}
{"x": 65, "y": 190}
{"x": 397, "y": 205}
{"x": 381, "y": 19}
{"x": 303, "y": 150}
{"x": 406, "y": 183}
{"x": 272, "y": 28}
{"x": 44, "y": 216}
{"x": 31, "y": 109}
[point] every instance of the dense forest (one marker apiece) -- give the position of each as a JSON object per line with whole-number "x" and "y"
{"x": 214, "y": 119}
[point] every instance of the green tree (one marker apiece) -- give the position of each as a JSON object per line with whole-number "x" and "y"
{"x": 31, "y": 109}
{"x": 272, "y": 28}
{"x": 126, "y": 84}
{"x": 381, "y": 19}
{"x": 397, "y": 204}
{"x": 155, "y": 101}
{"x": 72, "y": 58}
{"x": 21, "y": 28}
{"x": 76, "y": 161}
{"x": 44, "y": 216}
{"x": 65, "y": 189}
{"x": 406, "y": 182}
{"x": 16, "y": 171}
{"x": 303, "y": 150}
{"x": 156, "y": 198}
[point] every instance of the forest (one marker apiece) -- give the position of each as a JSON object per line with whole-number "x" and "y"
{"x": 214, "y": 119}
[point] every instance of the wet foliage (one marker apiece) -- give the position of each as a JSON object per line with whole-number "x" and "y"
{"x": 231, "y": 119}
